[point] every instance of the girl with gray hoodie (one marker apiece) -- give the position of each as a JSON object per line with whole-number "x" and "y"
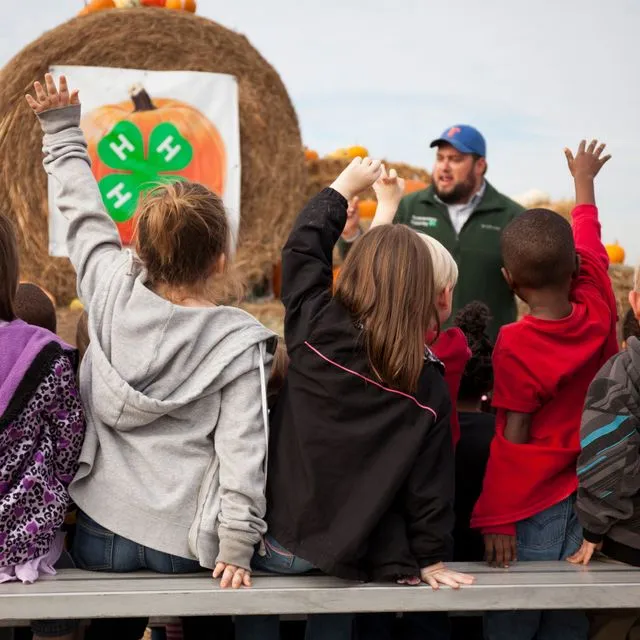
{"x": 172, "y": 470}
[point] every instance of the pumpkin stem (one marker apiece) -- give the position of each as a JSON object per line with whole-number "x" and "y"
{"x": 141, "y": 99}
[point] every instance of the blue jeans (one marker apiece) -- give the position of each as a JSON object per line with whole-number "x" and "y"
{"x": 553, "y": 534}
{"x": 412, "y": 626}
{"x": 319, "y": 627}
{"x": 98, "y": 549}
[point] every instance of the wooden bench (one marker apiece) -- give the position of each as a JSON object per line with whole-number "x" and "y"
{"x": 548, "y": 585}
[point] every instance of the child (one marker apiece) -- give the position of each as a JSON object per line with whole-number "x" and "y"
{"x": 630, "y": 327}
{"x": 608, "y": 503}
{"x": 449, "y": 346}
{"x": 476, "y": 429}
{"x": 171, "y": 475}
{"x": 34, "y": 306}
{"x": 476, "y": 432}
{"x": 543, "y": 366}
{"x": 41, "y": 433}
{"x": 360, "y": 464}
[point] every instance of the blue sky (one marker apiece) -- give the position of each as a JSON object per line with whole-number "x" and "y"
{"x": 533, "y": 76}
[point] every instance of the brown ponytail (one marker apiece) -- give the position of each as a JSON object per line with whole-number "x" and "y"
{"x": 387, "y": 283}
{"x": 182, "y": 231}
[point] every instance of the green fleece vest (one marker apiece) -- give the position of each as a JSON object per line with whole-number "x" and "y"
{"x": 476, "y": 249}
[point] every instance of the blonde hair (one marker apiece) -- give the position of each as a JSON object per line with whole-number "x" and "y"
{"x": 445, "y": 269}
{"x": 181, "y": 232}
{"x": 386, "y": 282}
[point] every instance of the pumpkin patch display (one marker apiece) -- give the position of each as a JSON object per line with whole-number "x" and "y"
{"x": 615, "y": 252}
{"x": 97, "y": 5}
{"x": 367, "y": 209}
{"x": 310, "y": 154}
{"x": 184, "y": 5}
{"x": 137, "y": 144}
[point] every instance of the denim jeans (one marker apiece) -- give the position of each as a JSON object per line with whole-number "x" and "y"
{"x": 553, "y": 534}
{"x": 98, "y": 549}
{"x": 319, "y": 627}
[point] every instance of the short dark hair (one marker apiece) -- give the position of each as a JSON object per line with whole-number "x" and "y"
{"x": 630, "y": 326}
{"x": 9, "y": 269}
{"x": 477, "y": 379}
{"x": 538, "y": 250}
{"x": 34, "y": 306}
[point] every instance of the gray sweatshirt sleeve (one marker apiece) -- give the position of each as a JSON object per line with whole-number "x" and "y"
{"x": 92, "y": 240}
{"x": 241, "y": 445}
{"x": 609, "y": 464}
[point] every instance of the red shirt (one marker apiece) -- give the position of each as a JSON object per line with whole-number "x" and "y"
{"x": 452, "y": 349}
{"x": 544, "y": 368}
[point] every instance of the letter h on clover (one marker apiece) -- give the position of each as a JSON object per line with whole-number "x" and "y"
{"x": 123, "y": 150}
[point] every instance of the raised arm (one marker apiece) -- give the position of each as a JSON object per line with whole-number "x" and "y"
{"x": 307, "y": 273}
{"x": 584, "y": 167}
{"x": 389, "y": 190}
{"x": 92, "y": 239}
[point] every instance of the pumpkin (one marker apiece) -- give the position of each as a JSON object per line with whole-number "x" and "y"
{"x": 367, "y": 208}
{"x": 357, "y": 152}
{"x": 76, "y": 305}
{"x": 185, "y": 5}
{"x": 410, "y": 186}
{"x": 164, "y": 127}
{"x": 153, "y": 3}
{"x": 97, "y": 5}
{"x": 615, "y": 252}
{"x": 310, "y": 154}
{"x": 127, "y": 4}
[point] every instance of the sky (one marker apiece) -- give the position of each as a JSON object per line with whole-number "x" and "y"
{"x": 533, "y": 76}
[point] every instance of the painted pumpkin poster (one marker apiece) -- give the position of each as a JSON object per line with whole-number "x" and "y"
{"x": 144, "y": 128}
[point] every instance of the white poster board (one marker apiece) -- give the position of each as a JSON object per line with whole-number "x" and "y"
{"x": 146, "y": 127}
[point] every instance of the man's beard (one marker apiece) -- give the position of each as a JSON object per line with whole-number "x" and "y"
{"x": 460, "y": 194}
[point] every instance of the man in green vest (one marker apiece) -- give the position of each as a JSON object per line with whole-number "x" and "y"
{"x": 467, "y": 215}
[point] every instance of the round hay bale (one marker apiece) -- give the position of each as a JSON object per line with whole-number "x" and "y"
{"x": 273, "y": 170}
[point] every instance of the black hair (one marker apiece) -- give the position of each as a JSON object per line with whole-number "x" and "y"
{"x": 630, "y": 326}
{"x": 34, "y": 306}
{"x": 538, "y": 250}
{"x": 477, "y": 379}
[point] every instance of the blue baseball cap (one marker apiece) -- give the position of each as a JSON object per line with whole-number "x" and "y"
{"x": 464, "y": 138}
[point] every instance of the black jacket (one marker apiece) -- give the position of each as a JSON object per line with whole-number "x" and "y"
{"x": 360, "y": 479}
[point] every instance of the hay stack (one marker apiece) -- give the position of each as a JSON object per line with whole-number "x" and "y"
{"x": 273, "y": 170}
{"x": 322, "y": 172}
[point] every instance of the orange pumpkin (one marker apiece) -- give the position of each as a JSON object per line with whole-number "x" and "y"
{"x": 357, "y": 152}
{"x": 310, "y": 154}
{"x": 410, "y": 186}
{"x": 615, "y": 252}
{"x": 153, "y": 3}
{"x": 209, "y": 163}
{"x": 97, "y": 5}
{"x": 185, "y": 5}
{"x": 367, "y": 208}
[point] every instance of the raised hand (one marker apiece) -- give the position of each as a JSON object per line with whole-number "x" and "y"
{"x": 389, "y": 187}
{"x": 50, "y": 97}
{"x": 439, "y": 575}
{"x": 588, "y": 160}
{"x": 359, "y": 175}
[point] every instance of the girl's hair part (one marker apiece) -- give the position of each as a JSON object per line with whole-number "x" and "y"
{"x": 386, "y": 282}
{"x": 182, "y": 231}
{"x": 477, "y": 379}
{"x": 445, "y": 269}
{"x": 9, "y": 270}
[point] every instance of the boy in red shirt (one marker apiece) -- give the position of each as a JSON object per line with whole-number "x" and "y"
{"x": 543, "y": 366}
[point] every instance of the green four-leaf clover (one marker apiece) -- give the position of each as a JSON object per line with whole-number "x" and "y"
{"x": 123, "y": 150}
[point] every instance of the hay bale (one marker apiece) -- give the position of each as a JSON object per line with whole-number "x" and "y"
{"x": 273, "y": 171}
{"x": 321, "y": 172}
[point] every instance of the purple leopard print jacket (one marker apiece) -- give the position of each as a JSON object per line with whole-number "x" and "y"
{"x": 41, "y": 434}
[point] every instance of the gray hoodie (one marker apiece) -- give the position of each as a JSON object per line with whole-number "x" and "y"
{"x": 175, "y": 396}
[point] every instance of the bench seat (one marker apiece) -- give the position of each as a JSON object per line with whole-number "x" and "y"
{"x": 545, "y": 585}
